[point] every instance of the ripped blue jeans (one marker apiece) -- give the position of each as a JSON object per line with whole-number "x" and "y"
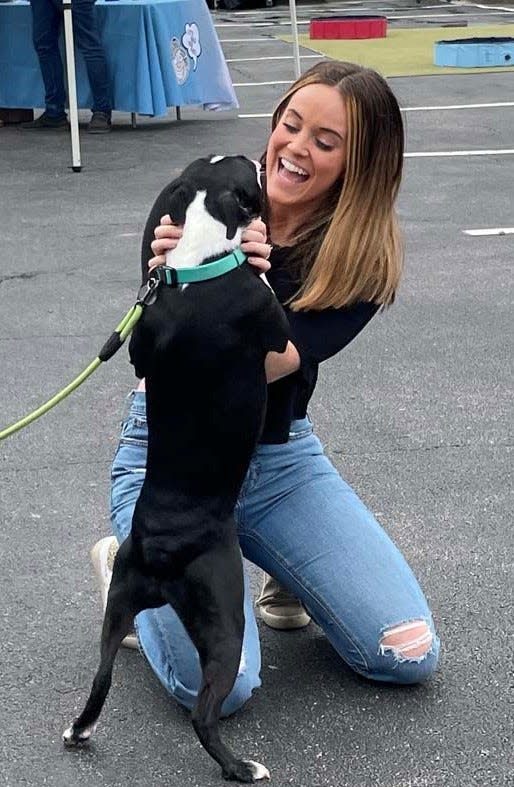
{"x": 300, "y": 522}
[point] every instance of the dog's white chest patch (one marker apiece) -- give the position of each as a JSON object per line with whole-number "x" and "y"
{"x": 203, "y": 237}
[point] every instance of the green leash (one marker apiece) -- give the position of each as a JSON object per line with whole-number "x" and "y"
{"x": 118, "y": 337}
{"x": 146, "y": 296}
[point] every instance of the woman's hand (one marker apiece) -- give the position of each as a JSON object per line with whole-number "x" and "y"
{"x": 253, "y": 243}
{"x": 167, "y": 236}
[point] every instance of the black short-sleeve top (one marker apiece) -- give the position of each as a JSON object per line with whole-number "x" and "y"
{"x": 317, "y": 335}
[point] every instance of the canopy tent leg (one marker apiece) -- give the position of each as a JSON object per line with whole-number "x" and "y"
{"x": 296, "y": 45}
{"x": 72, "y": 87}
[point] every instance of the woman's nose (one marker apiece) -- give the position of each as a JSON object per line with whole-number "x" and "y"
{"x": 298, "y": 144}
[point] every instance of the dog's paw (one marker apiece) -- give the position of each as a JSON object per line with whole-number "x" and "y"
{"x": 73, "y": 736}
{"x": 246, "y": 771}
{"x": 259, "y": 771}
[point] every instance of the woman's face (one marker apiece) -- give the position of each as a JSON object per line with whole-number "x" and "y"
{"x": 307, "y": 150}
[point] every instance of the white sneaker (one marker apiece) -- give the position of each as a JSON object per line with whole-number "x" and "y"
{"x": 102, "y": 557}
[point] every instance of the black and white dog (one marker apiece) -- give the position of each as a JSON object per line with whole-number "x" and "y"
{"x": 201, "y": 349}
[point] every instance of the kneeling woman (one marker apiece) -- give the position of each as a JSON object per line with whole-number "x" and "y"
{"x": 333, "y": 167}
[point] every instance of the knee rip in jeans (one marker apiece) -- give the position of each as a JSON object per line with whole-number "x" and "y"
{"x": 410, "y": 641}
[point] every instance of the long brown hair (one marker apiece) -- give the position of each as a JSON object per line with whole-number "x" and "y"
{"x": 350, "y": 248}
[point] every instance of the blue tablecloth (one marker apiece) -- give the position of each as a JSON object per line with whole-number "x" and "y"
{"x": 161, "y": 54}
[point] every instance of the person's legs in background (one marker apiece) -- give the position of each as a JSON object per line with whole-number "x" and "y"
{"x": 88, "y": 41}
{"x": 46, "y": 22}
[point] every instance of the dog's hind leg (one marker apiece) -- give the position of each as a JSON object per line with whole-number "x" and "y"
{"x": 129, "y": 593}
{"x": 211, "y": 607}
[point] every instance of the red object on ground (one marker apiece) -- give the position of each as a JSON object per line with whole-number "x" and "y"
{"x": 348, "y": 27}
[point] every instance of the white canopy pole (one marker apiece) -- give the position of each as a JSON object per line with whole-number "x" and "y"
{"x": 72, "y": 87}
{"x": 296, "y": 46}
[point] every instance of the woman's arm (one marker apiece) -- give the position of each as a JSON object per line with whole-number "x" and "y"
{"x": 321, "y": 334}
{"x": 278, "y": 365}
{"x": 159, "y": 210}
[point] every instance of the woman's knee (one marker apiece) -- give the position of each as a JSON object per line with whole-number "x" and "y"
{"x": 408, "y": 653}
{"x": 127, "y": 477}
{"x": 243, "y": 688}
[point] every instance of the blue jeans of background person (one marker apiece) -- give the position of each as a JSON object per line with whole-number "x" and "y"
{"x": 46, "y": 25}
{"x": 303, "y": 524}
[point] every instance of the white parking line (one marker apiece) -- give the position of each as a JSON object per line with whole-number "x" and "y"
{"x": 448, "y": 153}
{"x": 492, "y": 105}
{"x": 389, "y": 17}
{"x": 258, "y": 24}
{"x": 277, "y": 57}
{"x": 261, "y": 84}
{"x": 325, "y": 9}
{"x": 494, "y": 231}
{"x": 495, "y": 105}
{"x": 493, "y": 8}
{"x": 261, "y": 40}
{"x": 447, "y": 16}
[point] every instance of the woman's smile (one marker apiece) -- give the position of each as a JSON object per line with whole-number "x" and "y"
{"x": 307, "y": 149}
{"x": 291, "y": 172}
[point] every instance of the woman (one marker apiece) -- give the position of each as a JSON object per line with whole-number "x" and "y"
{"x": 333, "y": 166}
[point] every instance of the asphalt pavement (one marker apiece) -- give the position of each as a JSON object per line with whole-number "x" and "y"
{"x": 416, "y": 414}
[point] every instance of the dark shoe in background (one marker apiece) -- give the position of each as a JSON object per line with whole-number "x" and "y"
{"x": 45, "y": 121}
{"x": 13, "y": 117}
{"x": 100, "y": 123}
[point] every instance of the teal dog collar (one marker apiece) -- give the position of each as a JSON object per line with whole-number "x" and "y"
{"x": 211, "y": 270}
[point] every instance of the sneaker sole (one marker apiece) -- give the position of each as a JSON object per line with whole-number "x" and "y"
{"x": 96, "y": 561}
{"x": 46, "y": 128}
{"x": 280, "y": 623}
{"x": 130, "y": 641}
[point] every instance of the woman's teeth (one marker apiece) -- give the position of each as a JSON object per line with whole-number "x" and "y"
{"x": 292, "y": 167}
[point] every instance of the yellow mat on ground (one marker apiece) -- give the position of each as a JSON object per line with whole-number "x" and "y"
{"x": 404, "y": 52}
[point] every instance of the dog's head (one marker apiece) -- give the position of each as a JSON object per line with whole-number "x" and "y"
{"x": 229, "y": 187}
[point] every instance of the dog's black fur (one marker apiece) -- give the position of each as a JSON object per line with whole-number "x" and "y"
{"x": 202, "y": 353}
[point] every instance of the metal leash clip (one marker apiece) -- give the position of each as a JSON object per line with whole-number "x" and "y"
{"x": 148, "y": 292}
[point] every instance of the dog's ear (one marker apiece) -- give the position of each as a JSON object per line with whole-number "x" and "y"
{"x": 230, "y": 212}
{"x": 180, "y": 196}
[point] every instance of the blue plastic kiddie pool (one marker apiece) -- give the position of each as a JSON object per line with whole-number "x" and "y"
{"x": 474, "y": 52}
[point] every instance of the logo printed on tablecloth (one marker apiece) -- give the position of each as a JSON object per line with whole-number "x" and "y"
{"x": 189, "y": 45}
{"x": 191, "y": 41}
{"x": 180, "y": 61}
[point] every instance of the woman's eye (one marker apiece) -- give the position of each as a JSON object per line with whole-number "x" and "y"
{"x": 291, "y": 128}
{"x": 323, "y": 145}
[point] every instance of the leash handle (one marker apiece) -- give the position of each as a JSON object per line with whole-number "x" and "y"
{"x": 120, "y": 333}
